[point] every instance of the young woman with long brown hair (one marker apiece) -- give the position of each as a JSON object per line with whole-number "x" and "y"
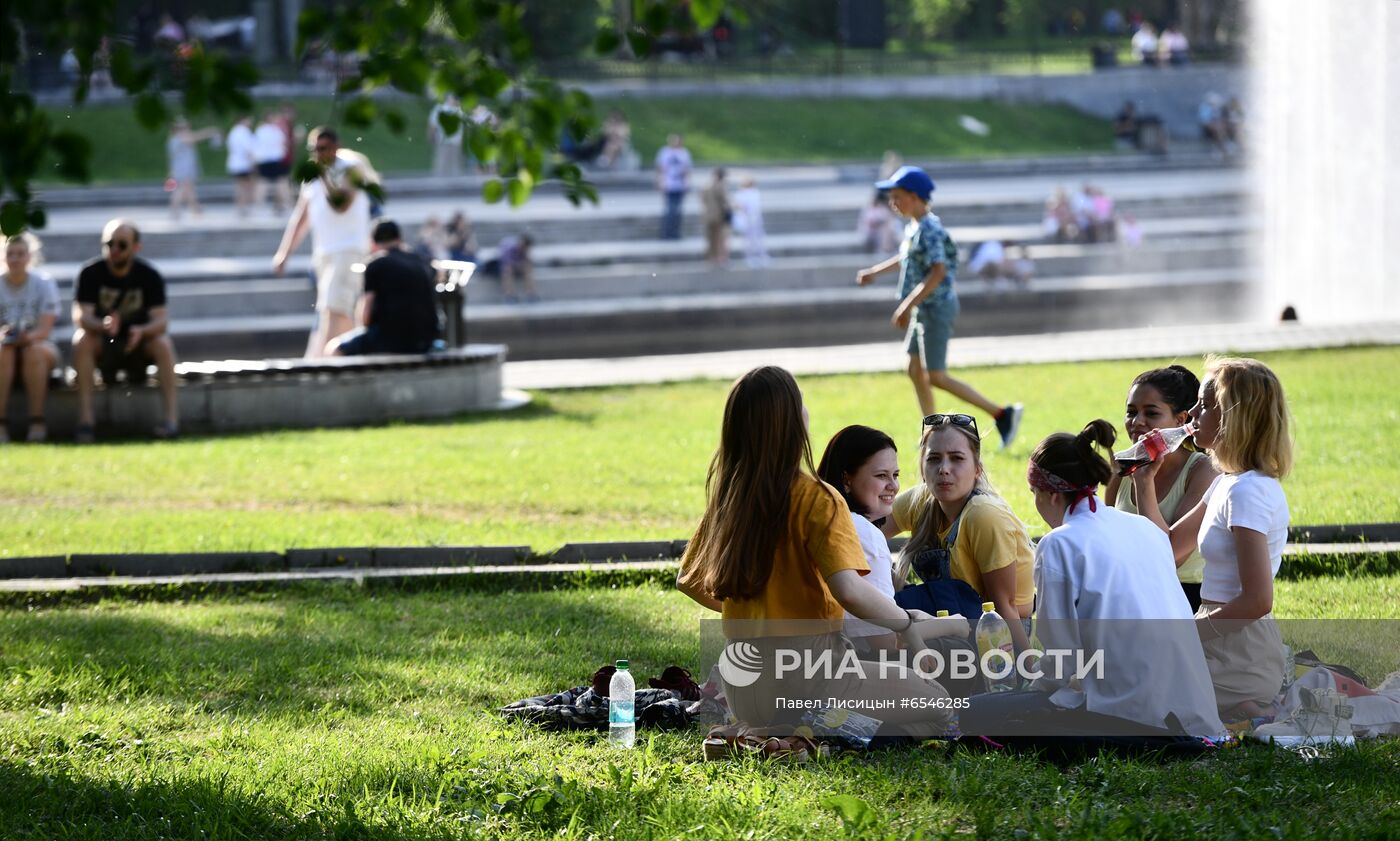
{"x": 777, "y": 556}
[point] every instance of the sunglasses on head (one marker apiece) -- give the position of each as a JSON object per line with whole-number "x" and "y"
{"x": 965, "y": 421}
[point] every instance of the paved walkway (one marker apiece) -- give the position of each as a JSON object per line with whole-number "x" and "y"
{"x": 889, "y": 356}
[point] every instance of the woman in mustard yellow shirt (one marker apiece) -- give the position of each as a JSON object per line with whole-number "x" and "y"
{"x": 777, "y": 556}
{"x": 991, "y": 551}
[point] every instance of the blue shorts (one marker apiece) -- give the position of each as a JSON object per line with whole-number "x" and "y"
{"x": 369, "y": 341}
{"x": 929, "y": 332}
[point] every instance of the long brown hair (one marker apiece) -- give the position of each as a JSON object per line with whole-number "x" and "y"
{"x": 924, "y": 534}
{"x": 763, "y": 447}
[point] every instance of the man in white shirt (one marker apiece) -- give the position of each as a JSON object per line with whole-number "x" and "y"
{"x": 241, "y": 162}
{"x": 269, "y": 151}
{"x": 336, "y": 210}
{"x": 673, "y": 167}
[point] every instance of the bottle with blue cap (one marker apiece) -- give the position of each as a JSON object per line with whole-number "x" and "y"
{"x": 622, "y": 710}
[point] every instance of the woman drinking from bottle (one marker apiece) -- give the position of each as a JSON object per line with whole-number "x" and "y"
{"x": 1162, "y": 399}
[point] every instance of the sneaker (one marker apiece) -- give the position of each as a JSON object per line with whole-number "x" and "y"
{"x": 84, "y": 434}
{"x": 166, "y": 431}
{"x": 1009, "y": 423}
{"x": 1323, "y": 716}
{"x": 38, "y": 432}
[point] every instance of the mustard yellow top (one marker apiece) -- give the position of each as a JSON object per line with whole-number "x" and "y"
{"x": 991, "y": 537}
{"x": 821, "y": 541}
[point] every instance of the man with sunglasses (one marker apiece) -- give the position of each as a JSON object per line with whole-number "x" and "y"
{"x": 120, "y": 324}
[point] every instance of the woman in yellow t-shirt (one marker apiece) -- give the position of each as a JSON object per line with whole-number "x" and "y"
{"x": 777, "y": 556}
{"x": 991, "y": 551}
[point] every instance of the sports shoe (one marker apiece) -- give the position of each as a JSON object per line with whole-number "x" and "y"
{"x": 1009, "y": 423}
{"x": 1323, "y": 716}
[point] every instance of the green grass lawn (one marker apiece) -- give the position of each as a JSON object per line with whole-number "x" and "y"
{"x": 749, "y": 129}
{"x": 612, "y": 464}
{"x": 335, "y": 712}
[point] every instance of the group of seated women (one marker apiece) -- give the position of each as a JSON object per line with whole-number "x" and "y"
{"x": 1165, "y": 575}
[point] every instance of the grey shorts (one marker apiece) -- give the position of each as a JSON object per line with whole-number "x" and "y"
{"x": 928, "y": 335}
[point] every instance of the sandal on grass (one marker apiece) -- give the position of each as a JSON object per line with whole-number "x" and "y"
{"x": 729, "y": 741}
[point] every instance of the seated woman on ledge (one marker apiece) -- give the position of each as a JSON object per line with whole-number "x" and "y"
{"x": 777, "y": 556}
{"x": 1106, "y": 587}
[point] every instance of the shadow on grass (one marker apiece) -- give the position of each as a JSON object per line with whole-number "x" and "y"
{"x": 337, "y": 650}
{"x": 40, "y": 805}
{"x": 537, "y": 410}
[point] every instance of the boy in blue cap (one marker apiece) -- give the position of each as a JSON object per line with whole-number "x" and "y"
{"x": 928, "y": 263}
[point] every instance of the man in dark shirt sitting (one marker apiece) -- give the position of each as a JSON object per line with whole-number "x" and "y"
{"x": 399, "y": 308}
{"x": 120, "y": 323}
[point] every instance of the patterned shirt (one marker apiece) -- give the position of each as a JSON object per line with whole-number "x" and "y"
{"x": 24, "y": 305}
{"x": 926, "y": 244}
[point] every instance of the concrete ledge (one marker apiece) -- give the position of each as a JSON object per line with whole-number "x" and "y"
{"x": 351, "y": 556}
{"x": 45, "y": 566}
{"x": 174, "y": 564}
{"x": 411, "y": 557}
{"x": 1357, "y": 532}
{"x": 572, "y": 553}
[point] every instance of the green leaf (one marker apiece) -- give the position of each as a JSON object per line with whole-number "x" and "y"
{"x": 306, "y": 170}
{"x": 37, "y": 218}
{"x": 492, "y": 191}
{"x": 13, "y": 215}
{"x": 706, "y": 12}
{"x": 462, "y": 13}
{"x": 854, "y": 812}
{"x": 606, "y": 42}
{"x": 640, "y": 42}
{"x": 151, "y": 112}
{"x": 519, "y": 190}
{"x": 449, "y": 122}
{"x": 360, "y": 112}
{"x": 394, "y": 119}
{"x": 657, "y": 18}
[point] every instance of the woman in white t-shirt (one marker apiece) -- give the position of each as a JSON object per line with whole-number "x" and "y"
{"x": 862, "y": 464}
{"x": 1241, "y": 526}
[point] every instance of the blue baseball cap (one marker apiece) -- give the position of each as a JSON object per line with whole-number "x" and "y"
{"x": 909, "y": 178}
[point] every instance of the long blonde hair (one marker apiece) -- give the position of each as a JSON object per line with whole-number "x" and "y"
{"x": 1254, "y": 424}
{"x": 763, "y": 448}
{"x": 924, "y": 533}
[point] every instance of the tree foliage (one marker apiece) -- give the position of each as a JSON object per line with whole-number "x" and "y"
{"x": 479, "y": 50}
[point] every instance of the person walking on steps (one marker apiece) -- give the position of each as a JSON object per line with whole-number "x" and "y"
{"x": 928, "y": 306}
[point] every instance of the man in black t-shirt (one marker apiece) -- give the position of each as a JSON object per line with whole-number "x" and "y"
{"x": 119, "y": 324}
{"x": 399, "y": 308}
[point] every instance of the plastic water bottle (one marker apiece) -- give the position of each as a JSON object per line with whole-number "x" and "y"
{"x": 1152, "y": 446}
{"x": 622, "y": 710}
{"x": 993, "y": 633}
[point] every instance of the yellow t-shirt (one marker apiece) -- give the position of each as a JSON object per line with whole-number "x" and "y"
{"x": 820, "y": 542}
{"x": 990, "y": 537}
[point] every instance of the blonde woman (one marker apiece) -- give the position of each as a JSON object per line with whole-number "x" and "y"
{"x": 28, "y": 309}
{"x": 960, "y": 524}
{"x": 1241, "y": 526}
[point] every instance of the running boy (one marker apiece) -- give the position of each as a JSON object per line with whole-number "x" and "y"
{"x": 928, "y": 263}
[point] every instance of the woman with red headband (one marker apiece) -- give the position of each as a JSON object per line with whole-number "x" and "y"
{"x": 1106, "y": 588}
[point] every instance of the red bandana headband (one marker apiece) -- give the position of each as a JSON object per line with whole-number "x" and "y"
{"x": 1043, "y": 480}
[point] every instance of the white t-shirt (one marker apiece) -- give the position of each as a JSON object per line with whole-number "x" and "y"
{"x": 1144, "y": 42}
{"x": 240, "y": 150}
{"x": 332, "y": 232}
{"x": 674, "y": 166}
{"x": 877, "y": 554}
{"x": 988, "y": 253}
{"x": 1249, "y": 500}
{"x": 269, "y": 144}
{"x": 24, "y": 306}
{"x": 1105, "y": 582}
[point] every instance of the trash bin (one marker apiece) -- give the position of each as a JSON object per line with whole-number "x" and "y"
{"x": 1103, "y": 55}
{"x": 453, "y": 276}
{"x": 1152, "y": 135}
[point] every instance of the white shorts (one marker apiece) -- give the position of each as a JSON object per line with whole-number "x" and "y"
{"x": 338, "y": 285}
